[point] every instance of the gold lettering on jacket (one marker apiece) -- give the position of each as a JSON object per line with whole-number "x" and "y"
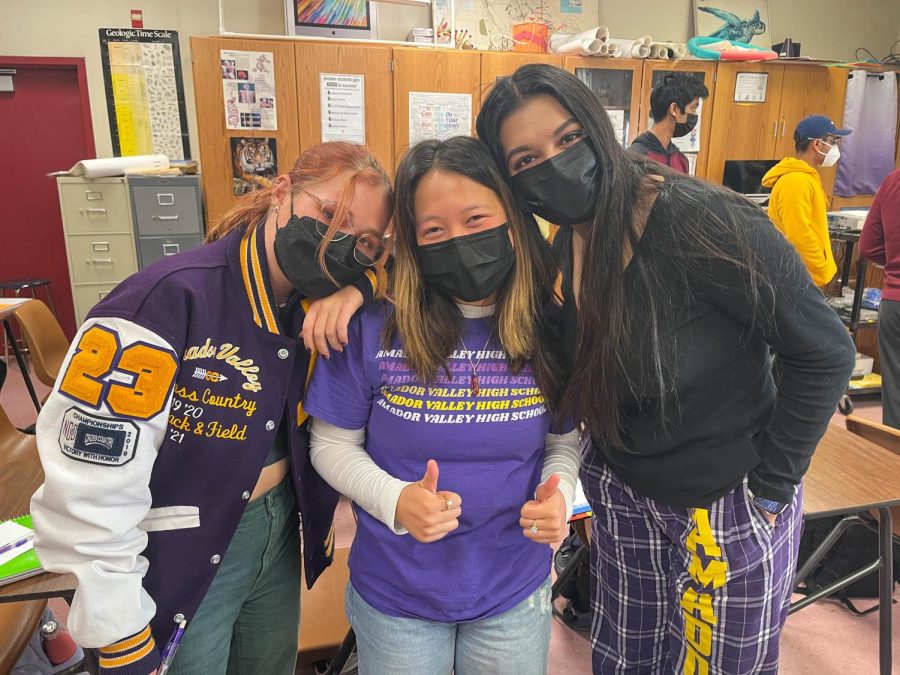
{"x": 229, "y": 354}
{"x": 237, "y": 401}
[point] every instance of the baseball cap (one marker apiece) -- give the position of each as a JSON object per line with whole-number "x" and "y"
{"x": 817, "y": 126}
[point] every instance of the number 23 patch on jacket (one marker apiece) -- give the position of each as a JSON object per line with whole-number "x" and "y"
{"x": 100, "y": 440}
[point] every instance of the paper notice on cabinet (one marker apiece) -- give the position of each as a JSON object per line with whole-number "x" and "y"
{"x": 439, "y": 116}
{"x": 248, "y": 85}
{"x": 343, "y": 103}
{"x": 750, "y": 87}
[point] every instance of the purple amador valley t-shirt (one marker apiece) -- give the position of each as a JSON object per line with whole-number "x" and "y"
{"x": 489, "y": 449}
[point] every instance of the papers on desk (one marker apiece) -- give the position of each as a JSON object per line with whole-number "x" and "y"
{"x": 115, "y": 166}
{"x": 18, "y": 561}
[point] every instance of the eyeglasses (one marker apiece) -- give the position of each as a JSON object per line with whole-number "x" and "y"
{"x": 369, "y": 249}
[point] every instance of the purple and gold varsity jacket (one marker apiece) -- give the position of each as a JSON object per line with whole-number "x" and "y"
{"x": 154, "y": 436}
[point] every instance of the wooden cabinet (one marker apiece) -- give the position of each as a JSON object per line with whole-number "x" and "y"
{"x": 654, "y": 72}
{"x": 432, "y": 71}
{"x": 617, "y": 83}
{"x": 215, "y": 139}
{"x": 374, "y": 64}
{"x": 765, "y": 130}
{"x": 498, "y": 64}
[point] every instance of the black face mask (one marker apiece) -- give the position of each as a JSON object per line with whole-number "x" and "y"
{"x": 296, "y": 251}
{"x": 563, "y": 189}
{"x": 471, "y": 267}
{"x": 684, "y": 128}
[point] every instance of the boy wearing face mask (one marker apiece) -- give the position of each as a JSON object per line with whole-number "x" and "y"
{"x": 798, "y": 206}
{"x": 673, "y": 105}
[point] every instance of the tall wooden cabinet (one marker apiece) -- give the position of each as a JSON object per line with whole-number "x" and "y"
{"x": 374, "y": 64}
{"x": 437, "y": 71}
{"x": 617, "y": 83}
{"x": 765, "y": 130}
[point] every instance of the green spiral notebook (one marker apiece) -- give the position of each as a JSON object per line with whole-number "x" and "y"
{"x": 22, "y": 566}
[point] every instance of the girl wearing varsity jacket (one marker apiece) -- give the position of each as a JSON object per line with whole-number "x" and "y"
{"x": 174, "y": 442}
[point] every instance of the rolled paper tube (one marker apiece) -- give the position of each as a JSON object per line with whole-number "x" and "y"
{"x": 578, "y": 48}
{"x": 635, "y": 49}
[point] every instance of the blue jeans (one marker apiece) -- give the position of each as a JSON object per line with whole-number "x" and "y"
{"x": 513, "y": 643}
{"x": 247, "y": 622}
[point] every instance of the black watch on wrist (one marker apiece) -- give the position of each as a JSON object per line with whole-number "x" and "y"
{"x": 768, "y": 505}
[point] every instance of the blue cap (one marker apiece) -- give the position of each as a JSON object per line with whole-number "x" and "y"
{"x": 817, "y": 126}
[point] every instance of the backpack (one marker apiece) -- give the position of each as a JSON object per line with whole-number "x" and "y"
{"x": 577, "y": 612}
{"x": 856, "y": 547}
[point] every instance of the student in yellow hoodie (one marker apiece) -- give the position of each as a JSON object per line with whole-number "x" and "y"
{"x": 798, "y": 206}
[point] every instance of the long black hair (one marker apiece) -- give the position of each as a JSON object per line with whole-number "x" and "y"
{"x": 608, "y": 326}
{"x": 427, "y": 320}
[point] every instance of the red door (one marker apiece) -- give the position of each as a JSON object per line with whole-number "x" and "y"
{"x": 45, "y": 126}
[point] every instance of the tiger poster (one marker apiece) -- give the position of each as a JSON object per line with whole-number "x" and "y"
{"x": 254, "y": 164}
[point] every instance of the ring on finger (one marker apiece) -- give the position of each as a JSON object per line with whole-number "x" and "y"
{"x": 449, "y": 503}
{"x": 533, "y": 528}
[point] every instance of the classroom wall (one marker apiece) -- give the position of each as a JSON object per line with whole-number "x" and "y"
{"x": 51, "y": 28}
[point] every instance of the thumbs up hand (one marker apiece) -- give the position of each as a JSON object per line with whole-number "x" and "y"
{"x": 546, "y": 513}
{"x": 427, "y": 513}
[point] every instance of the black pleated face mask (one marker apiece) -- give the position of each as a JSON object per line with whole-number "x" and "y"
{"x": 471, "y": 267}
{"x": 297, "y": 249}
{"x": 562, "y": 189}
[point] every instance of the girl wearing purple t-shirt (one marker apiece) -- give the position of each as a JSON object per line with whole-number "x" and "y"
{"x": 435, "y": 420}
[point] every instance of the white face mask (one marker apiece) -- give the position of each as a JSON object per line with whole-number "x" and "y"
{"x": 832, "y": 156}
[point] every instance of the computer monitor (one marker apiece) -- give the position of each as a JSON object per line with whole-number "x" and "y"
{"x": 745, "y": 176}
{"x": 353, "y": 19}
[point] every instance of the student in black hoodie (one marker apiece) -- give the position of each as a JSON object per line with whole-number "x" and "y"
{"x": 673, "y": 105}
{"x": 675, "y": 291}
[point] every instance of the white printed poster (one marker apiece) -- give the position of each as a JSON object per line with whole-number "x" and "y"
{"x": 440, "y": 116}
{"x": 751, "y": 87}
{"x": 248, "y": 84}
{"x": 617, "y": 118}
{"x": 343, "y": 103}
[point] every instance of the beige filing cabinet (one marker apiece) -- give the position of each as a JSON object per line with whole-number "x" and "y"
{"x": 99, "y": 236}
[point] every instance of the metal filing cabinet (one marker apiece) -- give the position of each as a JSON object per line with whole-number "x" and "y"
{"x": 116, "y": 226}
{"x": 168, "y": 215}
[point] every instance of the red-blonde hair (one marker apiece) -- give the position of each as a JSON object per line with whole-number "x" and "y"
{"x": 320, "y": 163}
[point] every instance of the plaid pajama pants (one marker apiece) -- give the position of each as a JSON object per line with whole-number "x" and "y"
{"x": 679, "y": 590}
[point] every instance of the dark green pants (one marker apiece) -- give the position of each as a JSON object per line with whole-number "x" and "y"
{"x": 248, "y": 620}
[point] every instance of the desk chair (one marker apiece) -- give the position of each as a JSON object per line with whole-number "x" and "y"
{"x": 45, "y": 339}
{"x": 323, "y": 622}
{"x": 17, "y": 286}
{"x": 20, "y": 473}
{"x": 888, "y": 438}
{"x": 18, "y": 622}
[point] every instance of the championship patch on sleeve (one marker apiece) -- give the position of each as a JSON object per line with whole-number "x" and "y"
{"x": 98, "y": 440}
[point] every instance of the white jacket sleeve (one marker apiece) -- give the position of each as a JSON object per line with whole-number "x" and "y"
{"x": 563, "y": 457}
{"x": 98, "y": 437}
{"x": 341, "y": 459}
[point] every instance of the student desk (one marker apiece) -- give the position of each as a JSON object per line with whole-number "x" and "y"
{"x": 8, "y": 306}
{"x": 848, "y": 476}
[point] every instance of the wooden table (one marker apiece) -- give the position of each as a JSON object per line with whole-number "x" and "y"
{"x": 20, "y": 475}
{"x": 8, "y": 306}
{"x": 849, "y": 476}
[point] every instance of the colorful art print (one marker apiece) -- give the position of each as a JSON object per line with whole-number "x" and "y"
{"x": 332, "y": 13}
{"x": 254, "y": 164}
{"x": 229, "y": 69}
{"x": 242, "y": 75}
{"x": 744, "y": 21}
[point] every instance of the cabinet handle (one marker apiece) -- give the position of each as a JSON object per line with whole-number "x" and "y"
{"x": 165, "y": 198}
{"x": 171, "y": 249}
{"x": 90, "y": 211}
{"x": 775, "y": 130}
{"x": 175, "y": 217}
{"x": 102, "y": 294}
{"x": 783, "y": 125}
{"x": 92, "y": 195}
{"x": 98, "y": 261}
{"x": 100, "y": 246}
